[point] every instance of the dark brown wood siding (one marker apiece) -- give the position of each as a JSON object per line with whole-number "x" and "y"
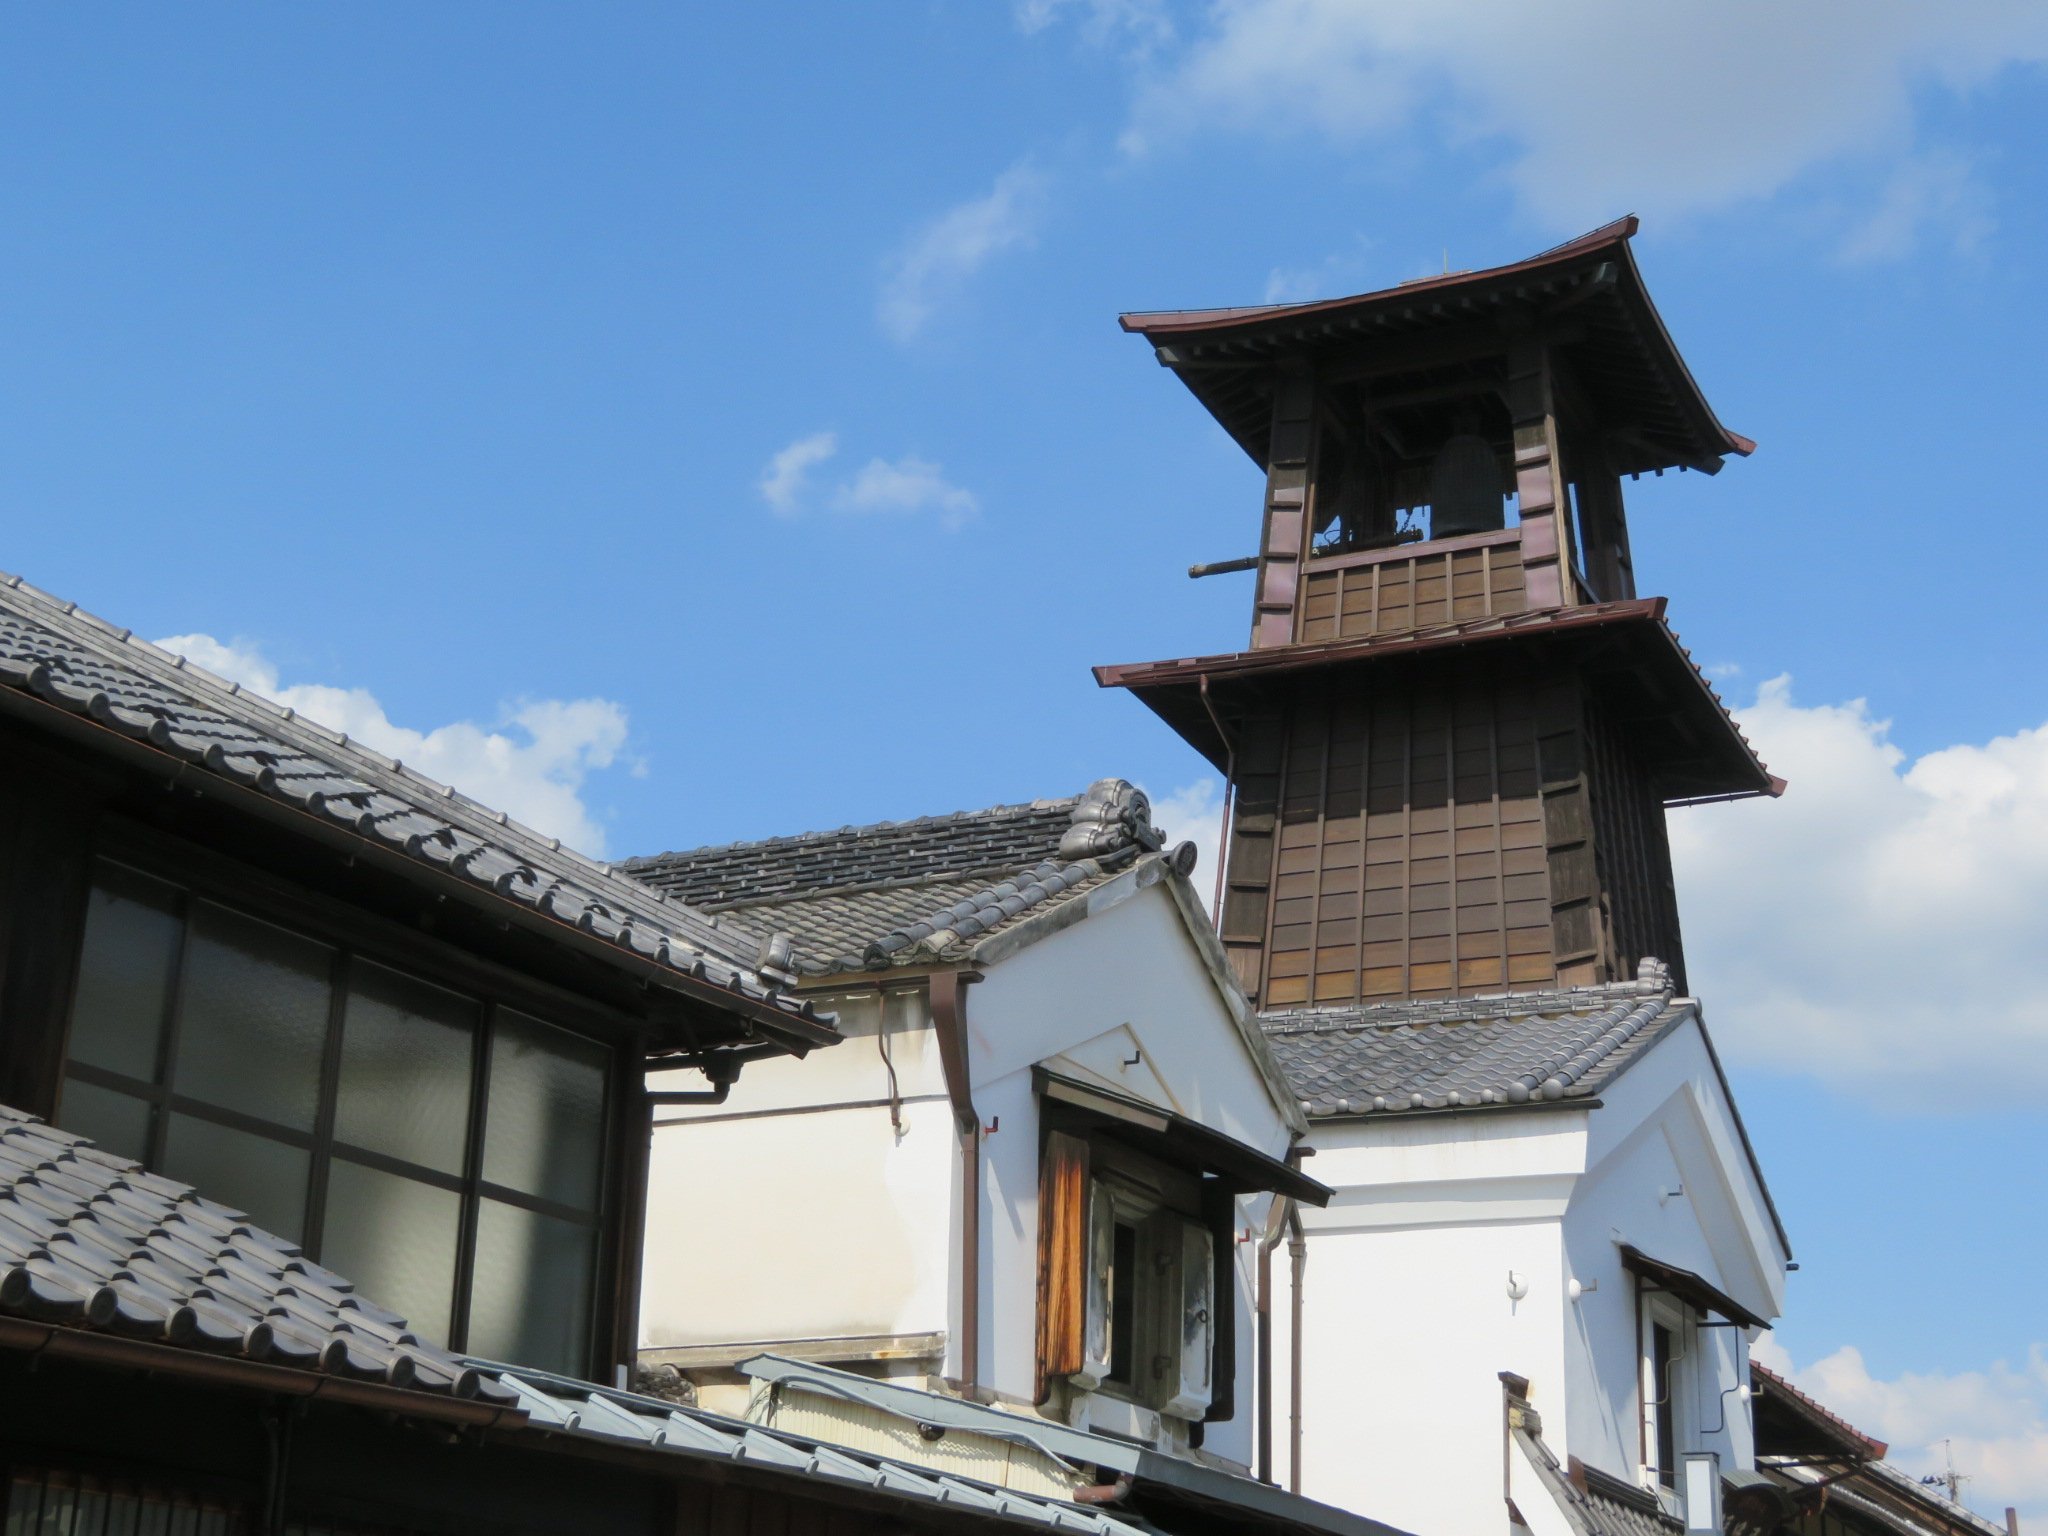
{"x": 1404, "y": 842}
{"x": 1391, "y": 592}
{"x": 1639, "y": 897}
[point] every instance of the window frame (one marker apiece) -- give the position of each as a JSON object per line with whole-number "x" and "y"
{"x": 354, "y": 938}
{"x": 1675, "y": 1408}
{"x": 1160, "y": 1200}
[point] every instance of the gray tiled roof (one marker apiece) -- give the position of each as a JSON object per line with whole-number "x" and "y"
{"x": 91, "y": 1240}
{"x": 1471, "y": 1053}
{"x": 92, "y": 1243}
{"x": 1593, "y": 1503}
{"x": 49, "y": 650}
{"x": 913, "y": 892}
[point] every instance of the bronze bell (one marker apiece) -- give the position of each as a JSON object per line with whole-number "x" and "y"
{"x": 1465, "y": 493}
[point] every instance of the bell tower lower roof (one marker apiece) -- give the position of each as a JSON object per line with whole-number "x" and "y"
{"x": 1625, "y": 650}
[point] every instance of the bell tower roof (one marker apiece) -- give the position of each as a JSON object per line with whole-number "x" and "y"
{"x": 1587, "y": 291}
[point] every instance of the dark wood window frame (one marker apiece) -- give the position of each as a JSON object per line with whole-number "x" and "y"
{"x": 355, "y": 937}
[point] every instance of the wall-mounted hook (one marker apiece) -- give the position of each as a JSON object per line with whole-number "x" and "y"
{"x": 1135, "y": 1058}
{"x": 995, "y": 1123}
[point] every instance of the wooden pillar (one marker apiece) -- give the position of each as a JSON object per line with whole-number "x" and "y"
{"x": 1284, "y": 543}
{"x": 1604, "y": 524}
{"x": 1539, "y": 479}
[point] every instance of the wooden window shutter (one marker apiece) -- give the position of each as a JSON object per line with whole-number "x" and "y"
{"x": 1062, "y": 1258}
{"x": 1191, "y": 1324}
{"x": 1220, "y": 1207}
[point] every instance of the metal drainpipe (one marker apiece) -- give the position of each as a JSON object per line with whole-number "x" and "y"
{"x": 1276, "y": 1228}
{"x": 949, "y": 1022}
{"x": 1297, "y": 1256}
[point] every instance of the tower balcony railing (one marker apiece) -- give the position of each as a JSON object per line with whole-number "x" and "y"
{"x": 1407, "y": 587}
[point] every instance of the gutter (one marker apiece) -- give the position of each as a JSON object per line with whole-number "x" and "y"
{"x": 112, "y": 1353}
{"x": 1297, "y": 1261}
{"x": 949, "y": 1023}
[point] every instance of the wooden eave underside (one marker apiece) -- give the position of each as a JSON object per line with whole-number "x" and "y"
{"x": 1588, "y": 297}
{"x": 1625, "y": 651}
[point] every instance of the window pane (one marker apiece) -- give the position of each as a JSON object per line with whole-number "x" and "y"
{"x": 530, "y": 1301}
{"x": 405, "y": 1069}
{"x": 116, "y": 1122}
{"x": 254, "y": 1017}
{"x": 395, "y": 1238}
{"x": 262, "y": 1177}
{"x": 124, "y": 972}
{"x": 544, "y": 1125}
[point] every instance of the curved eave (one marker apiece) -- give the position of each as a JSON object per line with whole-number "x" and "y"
{"x": 1210, "y": 350}
{"x": 1624, "y": 648}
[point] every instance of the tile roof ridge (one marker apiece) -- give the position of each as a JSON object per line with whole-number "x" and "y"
{"x": 182, "y": 672}
{"x": 784, "y": 840}
{"x": 1488, "y": 1007}
{"x": 1785, "y": 1384}
{"x": 851, "y": 888}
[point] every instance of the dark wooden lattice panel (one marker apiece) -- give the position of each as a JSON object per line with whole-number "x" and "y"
{"x": 1426, "y": 839}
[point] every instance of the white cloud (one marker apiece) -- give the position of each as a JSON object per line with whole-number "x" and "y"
{"x": 1332, "y": 277}
{"x": 787, "y": 478}
{"x": 1194, "y": 814}
{"x": 534, "y": 766}
{"x": 1939, "y": 190}
{"x": 933, "y": 268}
{"x": 1141, "y": 24}
{"x": 1596, "y": 106}
{"x": 1881, "y": 913}
{"x": 903, "y": 486}
{"x": 1995, "y": 1421}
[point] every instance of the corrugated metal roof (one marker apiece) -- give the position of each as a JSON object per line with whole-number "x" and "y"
{"x": 52, "y": 652}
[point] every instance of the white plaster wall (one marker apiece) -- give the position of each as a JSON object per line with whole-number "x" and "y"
{"x": 1405, "y": 1334}
{"x": 768, "y": 1224}
{"x": 1128, "y": 981}
{"x": 1666, "y": 1128}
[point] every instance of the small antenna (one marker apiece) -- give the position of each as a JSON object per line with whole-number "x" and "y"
{"x": 1447, "y": 261}
{"x": 1950, "y": 1479}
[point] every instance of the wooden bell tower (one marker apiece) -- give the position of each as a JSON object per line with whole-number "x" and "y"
{"x": 1451, "y": 739}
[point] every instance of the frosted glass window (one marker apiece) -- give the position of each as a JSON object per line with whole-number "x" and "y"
{"x": 405, "y": 1068}
{"x": 261, "y": 1177}
{"x": 114, "y": 1122}
{"x": 530, "y": 1299}
{"x": 253, "y": 1022}
{"x": 544, "y": 1119}
{"x": 124, "y": 972}
{"x": 395, "y": 1238}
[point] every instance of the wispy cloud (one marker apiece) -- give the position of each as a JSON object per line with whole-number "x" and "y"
{"x": 905, "y": 486}
{"x": 933, "y": 268}
{"x": 1699, "y": 106}
{"x": 1937, "y": 198}
{"x": 1341, "y": 273}
{"x": 1194, "y": 814}
{"x": 533, "y": 764}
{"x": 1140, "y": 25}
{"x": 900, "y": 487}
{"x": 787, "y": 478}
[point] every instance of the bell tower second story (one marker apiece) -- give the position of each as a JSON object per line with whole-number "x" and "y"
{"x": 1452, "y": 735}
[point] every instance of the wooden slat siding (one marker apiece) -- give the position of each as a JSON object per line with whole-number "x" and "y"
{"x": 1253, "y": 849}
{"x": 1546, "y": 544}
{"x": 1568, "y": 839}
{"x": 1632, "y": 852}
{"x": 1347, "y": 598}
{"x": 1284, "y": 540}
{"x": 1413, "y": 855}
{"x": 1062, "y": 1258}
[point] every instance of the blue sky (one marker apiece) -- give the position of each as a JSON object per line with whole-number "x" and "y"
{"x": 444, "y": 358}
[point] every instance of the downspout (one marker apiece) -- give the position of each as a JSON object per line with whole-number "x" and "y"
{"x": 949, "y": 1023}
{"x": 1229, "y": 801}
{"x": 1276, "y": 1228}
{"x": 1297, "y": 1258}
